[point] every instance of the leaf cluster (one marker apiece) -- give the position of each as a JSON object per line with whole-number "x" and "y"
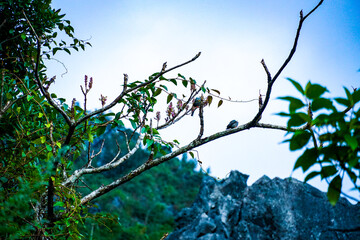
{"x": 327, "y": 131}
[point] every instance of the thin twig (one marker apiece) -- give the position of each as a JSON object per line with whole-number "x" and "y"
{"x": 266, "y": 70}
{"x": 201, "y": 116}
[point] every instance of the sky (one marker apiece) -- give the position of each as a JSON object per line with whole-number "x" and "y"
{"x": 137, "y": 37}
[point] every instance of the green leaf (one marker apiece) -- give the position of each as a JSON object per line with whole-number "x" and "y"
{"x": 209, "y": 99}
{"x": 133, "y": 124}
{"x": 155, "y": 131}
{"x": 349, "y": 96}
{"x": 185, "y": 83}
{"x": 23, "y": 36}
{"x": 353, "y": 162}
{"x": 297, "y": 86}
{"x": 299, "y": 140}
{"x": 169, "y": 98}
{"x": 40, "y": 115}
{"x": 295, "y": 103}
{"x": 28, "y": 97}
{"x": 145, "y": 129}
{"x": 307, "y": 159}
{"x": 298, "y": 119}
{"x": 343, "y": 101}
{"x": 328, "y": 171}
{"x": 313, "y": 91}
{"x": 192, "y": 81}
{"x": 164, "y": 87}
{"x": 311, "y": 176}
{"x": 217, "y": 91}
{"x": 351, "y": 141}
{"x": 283, "y": 114}
{"x": 220, "y": 103}
{"x": 181, "y": 76}
{"x": 173, "y": 81}
{"x": 48, "y": 147}
{"x": 320, "y": 103}
{"x": 334, "y": 190}
{"x": 91, "y": 137}
{"x": 356, "y": 96}
{"x": 37, "y": 141}
{"x": 67, "y": 50}
{"x": 55, "y": 50}
{"x": 100, "y": 131}
{"x": 157, "y": 92}
{"x": 59, "y": 204}
{"x": 119, "y": 123}
{"x": 149, "y": 142}
{"x": 117, "y": 115}
{"x": 192, "y": 154}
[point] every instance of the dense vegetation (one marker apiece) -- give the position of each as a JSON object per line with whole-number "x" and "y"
{"x": 43, "y": 141}
{"x": 145, "y": 207}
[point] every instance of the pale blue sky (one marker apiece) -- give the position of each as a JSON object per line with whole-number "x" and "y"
{"x": 136, "y": 37}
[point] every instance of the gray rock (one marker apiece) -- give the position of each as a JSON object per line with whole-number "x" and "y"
{"x": 269, "y": 209}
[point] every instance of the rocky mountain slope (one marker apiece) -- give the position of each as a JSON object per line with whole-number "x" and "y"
{"x": 268, "y": 209}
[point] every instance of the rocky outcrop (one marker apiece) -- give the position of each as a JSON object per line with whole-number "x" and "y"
{"x": 268, "y": 209}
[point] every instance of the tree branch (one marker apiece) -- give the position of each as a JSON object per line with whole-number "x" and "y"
{"x": 111, "y": 165}
{"x": 201, "y": 141}
{"x": 125, "y": 90}
{"x": 201, "y": 116}
{"x": 121, "y": 95}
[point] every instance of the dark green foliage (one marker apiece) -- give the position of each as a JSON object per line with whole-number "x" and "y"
{"x": 42, "y": 137}
{"x": 329, "y": 133}
{"x": 27, "y": 121}
{"x": 145, "y": 207}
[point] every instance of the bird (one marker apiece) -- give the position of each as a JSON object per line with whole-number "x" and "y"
{"x": 232, "y": 124}
{"x": 196, "y": 104}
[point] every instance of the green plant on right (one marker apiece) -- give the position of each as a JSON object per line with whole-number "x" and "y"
{"x": 327, "y": 130}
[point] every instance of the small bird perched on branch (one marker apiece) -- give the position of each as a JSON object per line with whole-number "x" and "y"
{"x": 232, "y": 124}
{"x": 196, "y": 104}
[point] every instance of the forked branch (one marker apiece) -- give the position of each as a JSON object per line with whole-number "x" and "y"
{"x": 201, "y": 141}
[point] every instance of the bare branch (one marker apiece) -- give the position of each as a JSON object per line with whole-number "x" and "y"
{"x": 272, "y": 126}
{"x": 266, "y": 70}
{"x": 313, "y": 9}
{"x": 126, "y": 140}
{"x": 92, "y": 156}
{"x": 111, "y": 165}
{"x": 124, "y": 92}
{"x": 126, "y": 78}
{"x": 201, "y": 141}
{"x": 117, "y": 154}
{"x": 287, "y": 60}
{"x": 201, "y": 115}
